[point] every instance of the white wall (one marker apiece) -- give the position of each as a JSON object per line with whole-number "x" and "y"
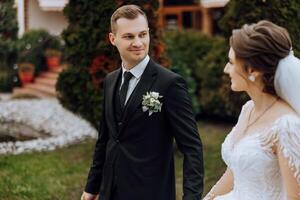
{"x": 213, "y": 3}
{"x": 53, "y": 21}
{"x": 20, "y": 16}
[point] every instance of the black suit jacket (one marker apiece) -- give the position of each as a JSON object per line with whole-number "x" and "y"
{"x": 138, "y": 152}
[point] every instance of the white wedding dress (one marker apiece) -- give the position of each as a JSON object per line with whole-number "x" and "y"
{"x": 254, "y": 166}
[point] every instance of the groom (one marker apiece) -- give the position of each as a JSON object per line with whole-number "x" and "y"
{"x": 133, "y": 158}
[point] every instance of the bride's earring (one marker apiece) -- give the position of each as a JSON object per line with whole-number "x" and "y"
{"x": 251, "y": 78}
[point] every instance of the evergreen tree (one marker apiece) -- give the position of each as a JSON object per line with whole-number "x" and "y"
{"x": 8, "y": 35}
{"x": 8, "y": 20}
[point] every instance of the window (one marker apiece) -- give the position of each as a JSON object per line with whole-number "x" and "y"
{"x": 171, "y": 22}
{"x": 180, "y": 2}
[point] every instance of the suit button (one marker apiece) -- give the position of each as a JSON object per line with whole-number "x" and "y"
{"x": 120, "y": 123}
{"x": 117, "y": 141}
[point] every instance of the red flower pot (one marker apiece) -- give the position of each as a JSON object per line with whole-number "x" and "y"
{"x": 53, "y": 62}
{"x": 26, "y": 77}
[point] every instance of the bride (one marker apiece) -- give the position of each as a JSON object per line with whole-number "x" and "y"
{"x": 262, "y": 152}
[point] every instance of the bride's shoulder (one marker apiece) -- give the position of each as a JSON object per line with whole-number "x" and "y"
{"x": 247, "y": 106}
{"x": 285, "y": 114}
{"x": 287, "y": 122}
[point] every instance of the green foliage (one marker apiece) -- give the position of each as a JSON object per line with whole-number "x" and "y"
{"x": 186, "y": 73}
{"x": 284, "y": 13}
{"x": 79, "y": 94}
{"x": 185, "y": 49}
{"x": 58, "y": 174}
{"x": 86, "y": 43}
{"x": 87, "y": 34}
{"x": 32, "y": 46}
{"x": 8, "y": 56}
{"x": 216, "y": 98}
{"x": 8, "y": 52}
{"x": 8, "y": 20}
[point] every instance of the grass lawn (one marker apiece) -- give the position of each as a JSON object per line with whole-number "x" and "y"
{"x": 61, "y": 174}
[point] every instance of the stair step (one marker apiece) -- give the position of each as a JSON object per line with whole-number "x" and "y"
{"x": 57, "y": 70}
{"x": 26, "y": 91}
{"x": 45, "y": 81}
{"x": 49, "y": 74}
{"x": 42, "y": 88}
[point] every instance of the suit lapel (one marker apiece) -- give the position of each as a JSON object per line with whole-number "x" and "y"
{"x": 136, "y": 97}
{"x": 110, "y": 108}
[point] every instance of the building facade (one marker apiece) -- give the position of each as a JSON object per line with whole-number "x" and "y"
{"x": 201, "y": 15}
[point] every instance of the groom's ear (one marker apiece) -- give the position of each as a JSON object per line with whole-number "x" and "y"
{"x": 112, "y": 38}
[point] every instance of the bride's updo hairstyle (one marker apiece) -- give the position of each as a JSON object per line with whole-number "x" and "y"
{"x": 261, "y": 46}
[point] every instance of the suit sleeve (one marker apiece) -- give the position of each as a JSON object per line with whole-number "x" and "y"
{"x": 96, "y": 169}
{"x": 181, "y": 120}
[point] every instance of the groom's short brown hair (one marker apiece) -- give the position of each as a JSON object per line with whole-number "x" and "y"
{"x": 128, "y": 12}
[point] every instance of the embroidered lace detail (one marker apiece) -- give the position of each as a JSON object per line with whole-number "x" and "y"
{"x": 253, "y": 163}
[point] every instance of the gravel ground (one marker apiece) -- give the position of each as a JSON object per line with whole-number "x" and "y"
{"x": 60, "y": 126}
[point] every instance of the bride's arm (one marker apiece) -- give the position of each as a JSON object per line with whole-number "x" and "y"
{"x": 291, "y": 185}
{"x": 223, "y": 186}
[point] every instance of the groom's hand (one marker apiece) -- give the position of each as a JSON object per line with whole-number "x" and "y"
{"x": 88, "y": 196}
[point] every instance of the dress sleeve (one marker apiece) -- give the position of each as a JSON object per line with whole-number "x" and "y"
{"x": 287, "y": 142}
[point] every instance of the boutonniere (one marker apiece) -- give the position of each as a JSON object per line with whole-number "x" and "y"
{"x": 151, "y": 102}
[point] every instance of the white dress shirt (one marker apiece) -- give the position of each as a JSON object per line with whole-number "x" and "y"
{"x": 137, "y": 72}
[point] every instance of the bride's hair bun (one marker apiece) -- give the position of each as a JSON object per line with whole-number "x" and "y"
{"x": 261, "y": 46}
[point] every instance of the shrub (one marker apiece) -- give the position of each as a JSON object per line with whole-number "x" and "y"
{"x": 8, "y": 35}
{"x": 215, "y": 96}
{"x": 32, "y": 46}
{"x": 185, "y": 49}
{"x": 9, "y": 24}
{"x": 79, "y": 93}
{"x": 186, "y": 73}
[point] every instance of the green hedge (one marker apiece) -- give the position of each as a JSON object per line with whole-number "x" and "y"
{"x": 200, "y": 59}
{"x": 79, "y": 93}
{"x": 8, "y": 20}
{"x": 185, "y": 49}
{"x": 8, "y": 52}
{"x": 8, "y": 56}
{"x": 216, "y": 98}
{"x": 32, "y": 46}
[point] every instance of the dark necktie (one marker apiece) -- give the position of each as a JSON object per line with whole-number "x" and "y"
{"x": 124, "y": 88}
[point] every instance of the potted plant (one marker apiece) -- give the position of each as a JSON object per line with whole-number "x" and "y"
{"x": 53, "y": 58}
{"x": 26, "y": 72}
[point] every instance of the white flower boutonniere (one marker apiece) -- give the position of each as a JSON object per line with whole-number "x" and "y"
{"x": 151, "y": 102}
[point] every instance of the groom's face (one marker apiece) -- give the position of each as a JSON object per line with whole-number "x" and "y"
{"x": 132, "y": 39}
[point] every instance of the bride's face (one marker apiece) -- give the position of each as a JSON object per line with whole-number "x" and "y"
{"x": 234, "y": 68}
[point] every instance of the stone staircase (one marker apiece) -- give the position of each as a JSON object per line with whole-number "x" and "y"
{"x": 42, "y": 87}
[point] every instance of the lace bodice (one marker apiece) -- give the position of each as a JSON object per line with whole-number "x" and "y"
{"x": 255, "y": 167}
